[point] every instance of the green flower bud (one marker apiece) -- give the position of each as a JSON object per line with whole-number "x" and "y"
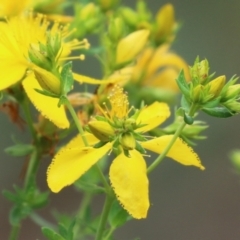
{"x": 130, "y": 124}
{"x": 232, "y": 91}
{"x": 88, "y": 11}
{"x": 107, "y": 4}
{"x": 115, "y": 30}
{"x": 101, "y": 130}
{"x": 197, "y": 93}
{"x": 39, "y": 58}
{"x": 235, "y": 158}
{"x": 47, "y": 80}
{"x": 129, "y": 16}
{"x": 200, "y": 70}
{"x": 127, "y": 141}
{"x": 233, "y": 106}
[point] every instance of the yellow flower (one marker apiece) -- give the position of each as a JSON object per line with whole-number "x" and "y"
{"x": 23, "y": 34}
{"x": 159, "y": 68}
{"x": 128, "y": 174}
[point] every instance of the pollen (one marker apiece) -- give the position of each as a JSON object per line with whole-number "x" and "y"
{"x": 119, "y": 103}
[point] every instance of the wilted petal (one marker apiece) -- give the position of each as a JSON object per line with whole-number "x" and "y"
{"x": 153, "y": 116}
{"x": 179, "y": 152}
{"x": 47, "y": 106}
{"x": 128, "y": 177}
{"x": 69, "y": 164}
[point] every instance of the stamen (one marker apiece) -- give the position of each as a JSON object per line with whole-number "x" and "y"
{"x": 119, "y": 102}
{"x": 81, "y": 57}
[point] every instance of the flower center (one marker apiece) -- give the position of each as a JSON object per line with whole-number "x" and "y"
{"x": 119, "y": 103}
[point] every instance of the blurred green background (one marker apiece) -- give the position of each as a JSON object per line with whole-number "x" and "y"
{"x": 186, "y": 203}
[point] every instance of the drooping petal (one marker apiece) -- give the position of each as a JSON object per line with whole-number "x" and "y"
{"x": 70, "y": 164}
{"x": 153, "y": 116}
{"x": 128, "y": 177}
{"x": 44, "y": 104}
{"x": 179, "y": 152}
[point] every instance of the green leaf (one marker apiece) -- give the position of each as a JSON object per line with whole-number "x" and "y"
{"x": 51, "y": 234}
{"x": 182, "y": 84}
{"x": 19, "y": 150}
{"x": 180, "y": 112}
{"x": 67, "y": 78}
{"x": 219, "y": 112}
{"x": 211, "y": 104}
{"x": 185, "y": 103}
{"x": 10, "y": 196}
{"x": 46, "y": 93}
{"x": 118, "y": 216}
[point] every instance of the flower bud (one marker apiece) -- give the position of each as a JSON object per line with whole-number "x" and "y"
{"x": 47, "y": 80}
{"x": 115, "y": 29}
{"x": 88, "y": 11}
{"x": 127, "y": 141}
{"x": 130, "y": 17}
{"x": 101, "y": 130}
{"x": 130, "y": 124}
{"x": 130, "y": 46}
{"x": 232, "y": 91}
{"x": 216, "y": 85}
{"x": 200, "y": 70}
{"x": 197, "y": 95}
{"x": 165, "y": 21}
{"x": 107, "y": 4}
{"x": 233, "y": 106}
{"x": 39, "y": 58}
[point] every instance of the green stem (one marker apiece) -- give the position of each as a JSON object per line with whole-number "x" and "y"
{"x": 81, "y": 215}
{"x": 76, "y": 120}
{"x": 106, "y": 209}
{"x": 165, "y": 151}
{"x": 159, "y": 159}
{"x": 41, "y": 221}
{"x": 14, "y": 232}
{"x": 32, "y": 168}
{"x": 28, "y": 118}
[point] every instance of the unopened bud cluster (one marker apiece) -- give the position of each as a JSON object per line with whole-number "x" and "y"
{"x": 214, "y": 96}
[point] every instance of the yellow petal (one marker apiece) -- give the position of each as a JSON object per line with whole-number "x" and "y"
{"x": 69, "y": 164}
{"x": 11, "y": 74}
{"x": 77, "y": 142}
{"x": 46, "y": 105}
{"x": 164, "y": 59}
{"x": 179, "y": 152}
{"x": 165, "y": 79}
{"x": 153, "y": 116}
{"x": 84, "y": 79}
{"x": 128, "y": 177}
